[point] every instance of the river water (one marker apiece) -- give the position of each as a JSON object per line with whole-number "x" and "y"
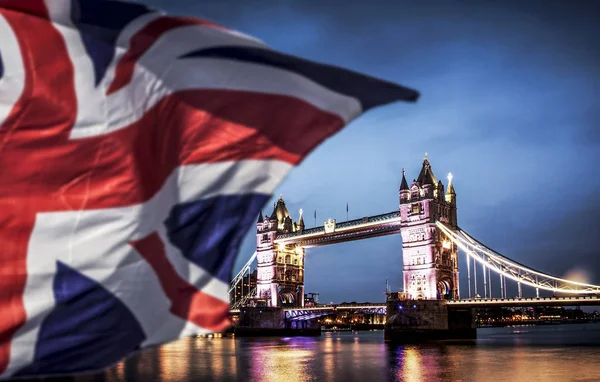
{"x": 526, "y": 353}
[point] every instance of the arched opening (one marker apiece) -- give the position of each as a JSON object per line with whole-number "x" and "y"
{"x": 444, "y": 290}
{"x": 287, "y": 298}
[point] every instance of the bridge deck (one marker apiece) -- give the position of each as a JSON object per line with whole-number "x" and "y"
{"x": 341, "y": 307}
{"x": 465, "y": 303}
{"x": 526, "y": 302}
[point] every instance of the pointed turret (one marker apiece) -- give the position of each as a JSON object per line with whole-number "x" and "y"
{"x": 403, "y": 183}
{"x": 426, "y": 175}
{"x": 301, "y": 221}
{"x": 280, "y": 213}
{"x": 440, "y": 191}
{"x": 404, "y": 190}
{"x": 274, "y": 213}
{"x": 450, "y": 193}
{"x": 260, "y": 217}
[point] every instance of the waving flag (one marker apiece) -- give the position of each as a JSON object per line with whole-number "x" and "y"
{"x": 136, "y": 150}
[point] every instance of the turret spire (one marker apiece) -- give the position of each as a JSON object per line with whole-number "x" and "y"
{"x": 450, "y": 193}
{"x": 301, "y": 221}
{"x": 280, "y": 212}
{"x": 426, "y": 175}
{"x": 450, "y": 190}
{"x": 403, "y": 184}
{"x": 260, "y": 217}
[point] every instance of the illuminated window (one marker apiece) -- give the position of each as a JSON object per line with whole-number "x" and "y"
{"x": 288, "y": 259}
{"x": 415, "y": 208}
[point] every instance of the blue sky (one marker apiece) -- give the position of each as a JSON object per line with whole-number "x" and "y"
{"x": 510, "y": 105}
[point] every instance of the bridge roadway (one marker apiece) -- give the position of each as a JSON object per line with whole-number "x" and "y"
{"x": 380, "y": 308}
{"x": 525, "y": 302}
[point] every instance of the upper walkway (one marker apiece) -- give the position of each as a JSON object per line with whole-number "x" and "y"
{"x": 336, "y": 232}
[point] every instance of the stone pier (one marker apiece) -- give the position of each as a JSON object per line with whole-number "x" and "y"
{"x": 409, "y": 321}
{"x": 265, "y": 321}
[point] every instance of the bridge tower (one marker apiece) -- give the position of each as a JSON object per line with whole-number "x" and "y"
{"x": 280, "y": 268}
{"x": 430, "y": 260}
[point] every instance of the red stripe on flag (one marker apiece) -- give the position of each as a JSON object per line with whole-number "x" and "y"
{"x": 143, "y": 40}
{"x": 196, "y": 127}
{"x": 187, "y": 302}
{"x": 130, "y": 165}
{"x": 37, "y": 37}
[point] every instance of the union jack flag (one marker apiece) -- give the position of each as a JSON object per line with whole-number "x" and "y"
{"x": 136, "y": 150}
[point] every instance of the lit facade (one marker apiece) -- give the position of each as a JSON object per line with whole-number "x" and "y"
{"x": 430, "y": 261}
{"x": 280, "y": 267}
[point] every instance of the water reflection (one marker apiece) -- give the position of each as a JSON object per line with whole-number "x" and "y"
{"x": 285, "y": 360}
{"x": 500, "y": 354}
{"x": 410, "y": 361}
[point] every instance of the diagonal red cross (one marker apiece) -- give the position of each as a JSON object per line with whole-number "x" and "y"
{"x": 42, "y": 170}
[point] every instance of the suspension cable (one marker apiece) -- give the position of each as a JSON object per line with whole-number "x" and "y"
{"x": 506, "y": 267}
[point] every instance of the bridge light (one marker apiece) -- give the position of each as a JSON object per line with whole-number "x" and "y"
{"x": 299, "y": 250}
{"x": 446, "y": 244}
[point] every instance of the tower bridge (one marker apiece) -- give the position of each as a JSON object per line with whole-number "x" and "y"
{"x": 430, "y": 262}
{"x": 431, "y": 239}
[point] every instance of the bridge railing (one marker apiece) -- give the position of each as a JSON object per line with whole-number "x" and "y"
{"x": 526, "y": 299}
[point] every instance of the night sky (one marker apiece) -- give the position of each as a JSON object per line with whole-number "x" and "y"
{"x": 510, "y": 105}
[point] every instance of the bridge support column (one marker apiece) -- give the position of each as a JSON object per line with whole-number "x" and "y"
{"x": 410, "y": 321}
{"x": 265, "y": 321}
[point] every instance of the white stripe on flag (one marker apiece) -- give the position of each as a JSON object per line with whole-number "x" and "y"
{"x": 129, "y": 104}
{"x": 91, "y": 100}
{"x": 12, "y": 81}
{"x": 160, "y": 73}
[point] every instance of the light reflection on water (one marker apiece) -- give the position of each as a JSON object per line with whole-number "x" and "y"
{"x": 569, "y": 352}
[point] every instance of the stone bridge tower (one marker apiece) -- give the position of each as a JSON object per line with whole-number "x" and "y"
{"x": 280, "y": 268}
{"x": 430, "y": 260}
